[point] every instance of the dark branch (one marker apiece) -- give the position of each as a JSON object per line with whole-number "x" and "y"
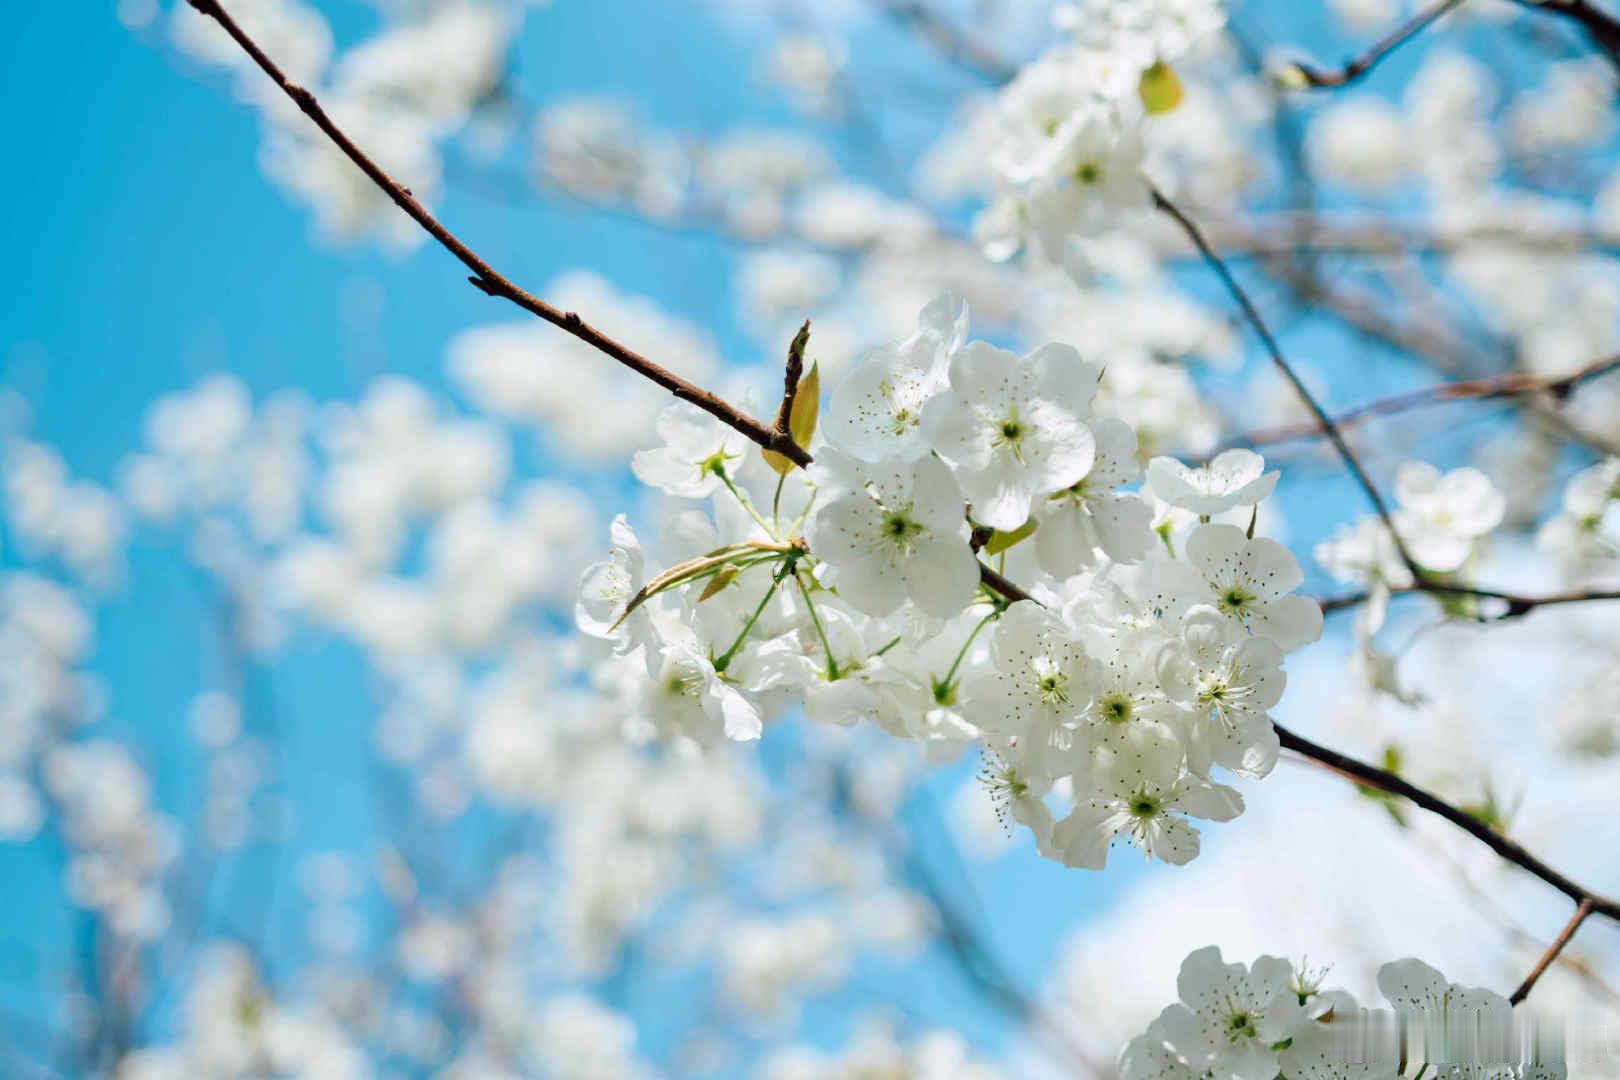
{"x": 1359, "y": 66}
{"x": 483, "y": 275}
{"x": 1392, "y": 784}
{"x": 1492, "y": 388}
{"x": 1324, "y": 422}
{"x": 1582, "y": 910}
{"x": 1513, "y": 605}
{"x": 1602, "y": 28}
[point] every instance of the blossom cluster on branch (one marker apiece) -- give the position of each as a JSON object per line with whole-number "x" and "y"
{"x": 1144, "y": 655}
{"x": 1271, "y": 1020}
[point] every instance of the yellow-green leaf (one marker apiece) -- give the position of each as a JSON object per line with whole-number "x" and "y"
{"x": 1000, "y": 541}
{"x": 718, "y": 582}
{"x": 806, "y": 407}
{"x": 680, "y": 573}
{"x": 801, "y": 420}
{"x": 779, "y": 464}
{"x": 1160, "y": 88}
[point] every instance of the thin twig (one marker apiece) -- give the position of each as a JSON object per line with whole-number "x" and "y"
{"x": 483, "y": 275}
{"x": 1289, "y": 232}
{"x": 1515, "y": 605}
{"x": 1582, "y": 910}
{"x": 1497, "y": 386}
{"x": 1358, "y": 67}
{"x": 1002, "y": 585}
{"x": 1323, "y": 421}
{"x": 1430, "y": 339}
{"x": 1386, "y": 781}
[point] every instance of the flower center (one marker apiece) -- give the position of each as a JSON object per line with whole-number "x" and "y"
{"x": 1010, "y": 433}
{"x": 1088, "y": 173}
{"x": 1116, "y": 710}
{"x": 1240, "y": 1025}
{"x": 1235, "y": 600}
{"x": 1144, "y": 806}
{"x": 898, "y": 526}
{"x": 1052, "y": 688}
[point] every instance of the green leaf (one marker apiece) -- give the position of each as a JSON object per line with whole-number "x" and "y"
{"x": 1160, "y": 89}
{"x": 806, "y": 407}
{"x": 732, "y": 556}
{"x": 718, "y": 582}
{"x": 802, "y": 420}
{"x": 1000, "y": 541}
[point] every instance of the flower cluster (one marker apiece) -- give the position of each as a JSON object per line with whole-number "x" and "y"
{"x": 1145, "y": 652}
{"x": 1070, "y": 142}
{"x": 1269, "y": 1020}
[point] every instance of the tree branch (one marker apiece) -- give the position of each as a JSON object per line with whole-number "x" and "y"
{"x": 1358, "y": 67}
{"x": 1498, "y": 386}
{"x": 1602, "y": 28}
{"x": 1430, "y": 339}
{"x": 1390, "y": 783}
{"x": 1324, "y": 422}
{"x": 483, "y": 275}
{"x": 1515, "y": 604}
{"x": 1289, "y": 232}
{"x": 1582, "y": 910}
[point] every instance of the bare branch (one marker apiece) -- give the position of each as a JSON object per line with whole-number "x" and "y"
{"x": 1431, "y": 339}
{"x": 1358, "y": 67}
{"x": 1582, "y": 910}
{"x": 1390, "y": 783}
{"x": 1602, "y": 28}
{"x": 483, "y": 275}
{"x": 1495, "y": 387}
{"x": 1324, "y": 422}
{"x": 1515, "y": 605}
{"x": 1290, "y": 232}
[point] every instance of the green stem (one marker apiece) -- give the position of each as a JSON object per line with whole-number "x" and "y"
{"x": 746, "y": 505}
{"x": 826, "y": 646}
{"x": 776, "y": 501}
{"x": 793, "y": 530}
{"x": 724, "y": 660}
{"x": 943, "y": 687}
{"x": 1164, "y": 535}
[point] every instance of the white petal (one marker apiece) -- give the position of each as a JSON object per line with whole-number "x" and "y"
{"x": 942, "y": 575}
